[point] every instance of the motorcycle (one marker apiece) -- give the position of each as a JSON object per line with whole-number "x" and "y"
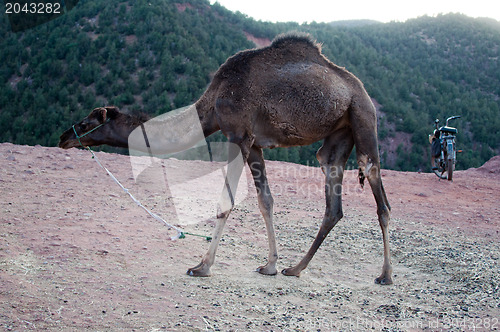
{"x": 443, "y": 149}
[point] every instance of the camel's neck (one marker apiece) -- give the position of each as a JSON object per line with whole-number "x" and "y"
{"x": 121, "y": 128}
{"x": 168, "y": 133}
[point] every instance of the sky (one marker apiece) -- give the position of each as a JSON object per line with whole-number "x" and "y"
{"x": 303, "y": 11}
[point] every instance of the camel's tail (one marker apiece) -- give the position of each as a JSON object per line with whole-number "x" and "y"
{"x": 361, "y": 177}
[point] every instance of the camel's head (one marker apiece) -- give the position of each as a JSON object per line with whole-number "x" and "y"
{"x": 92, "y": 130}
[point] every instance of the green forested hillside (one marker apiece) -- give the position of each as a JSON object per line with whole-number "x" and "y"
{"x": 154, "y": 56}
{"x": 429, "y": 68}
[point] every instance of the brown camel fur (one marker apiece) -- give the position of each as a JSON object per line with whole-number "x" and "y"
{"x": 286, "y": 94}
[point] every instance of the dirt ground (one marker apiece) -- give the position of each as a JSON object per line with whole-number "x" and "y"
{"x": 77, "y": 254}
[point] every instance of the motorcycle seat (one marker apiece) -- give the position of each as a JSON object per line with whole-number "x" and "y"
{"x": 449, "y": 130}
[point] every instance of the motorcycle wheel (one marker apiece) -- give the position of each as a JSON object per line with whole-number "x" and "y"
{"x": 450, "y": 169}
{"x": 442, "y": 169}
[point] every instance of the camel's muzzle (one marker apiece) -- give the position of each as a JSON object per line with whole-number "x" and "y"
{"x": 68, "y": 140}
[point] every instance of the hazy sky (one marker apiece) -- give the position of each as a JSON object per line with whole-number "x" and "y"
{"x": 382, "y": 10}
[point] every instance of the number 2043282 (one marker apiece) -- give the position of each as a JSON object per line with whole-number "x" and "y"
{"x": 32, "y": 8}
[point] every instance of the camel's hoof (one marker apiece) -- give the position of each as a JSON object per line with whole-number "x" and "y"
{"x": 267, "y": 270}
{"x": 290, "y": 272}
{"x": 383, "y": 280}
{"x": 199, "y": 271}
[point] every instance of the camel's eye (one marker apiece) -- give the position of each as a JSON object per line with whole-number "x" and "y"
{"x": 84, "y": 126}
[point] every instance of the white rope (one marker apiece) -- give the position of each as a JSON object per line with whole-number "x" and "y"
{"x": 180, "y": 232}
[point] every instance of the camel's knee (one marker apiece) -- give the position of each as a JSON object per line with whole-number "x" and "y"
{"x": 384, "y": 216}
{"x": 266, "y": 203}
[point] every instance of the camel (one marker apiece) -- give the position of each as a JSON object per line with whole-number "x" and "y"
{"x": 285, "y": 94}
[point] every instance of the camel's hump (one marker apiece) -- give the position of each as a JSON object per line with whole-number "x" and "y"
{"x": 291, "y": 47}
{"x": 294, "y": 38}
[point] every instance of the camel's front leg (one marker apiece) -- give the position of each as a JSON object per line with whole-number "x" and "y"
{"x": 203, "y": 269}
{"x": 226, "y": 203}
{"x": 257, "y": 166}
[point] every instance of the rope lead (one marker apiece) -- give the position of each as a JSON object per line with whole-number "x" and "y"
{"x": 180, "y": 233}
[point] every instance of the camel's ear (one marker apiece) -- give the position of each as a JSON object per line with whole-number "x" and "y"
{"x": 99, "y": 114}
{"x": 112, "y": 112}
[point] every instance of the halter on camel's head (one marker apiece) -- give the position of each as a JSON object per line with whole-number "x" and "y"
{"x": 80, "y": 133}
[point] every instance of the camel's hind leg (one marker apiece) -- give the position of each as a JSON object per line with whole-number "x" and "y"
{"x": 332, "y": 156}
{"x": 383, "y": 211}
{"x": 371, "y": 169}
{"x": 364, "y": 125}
